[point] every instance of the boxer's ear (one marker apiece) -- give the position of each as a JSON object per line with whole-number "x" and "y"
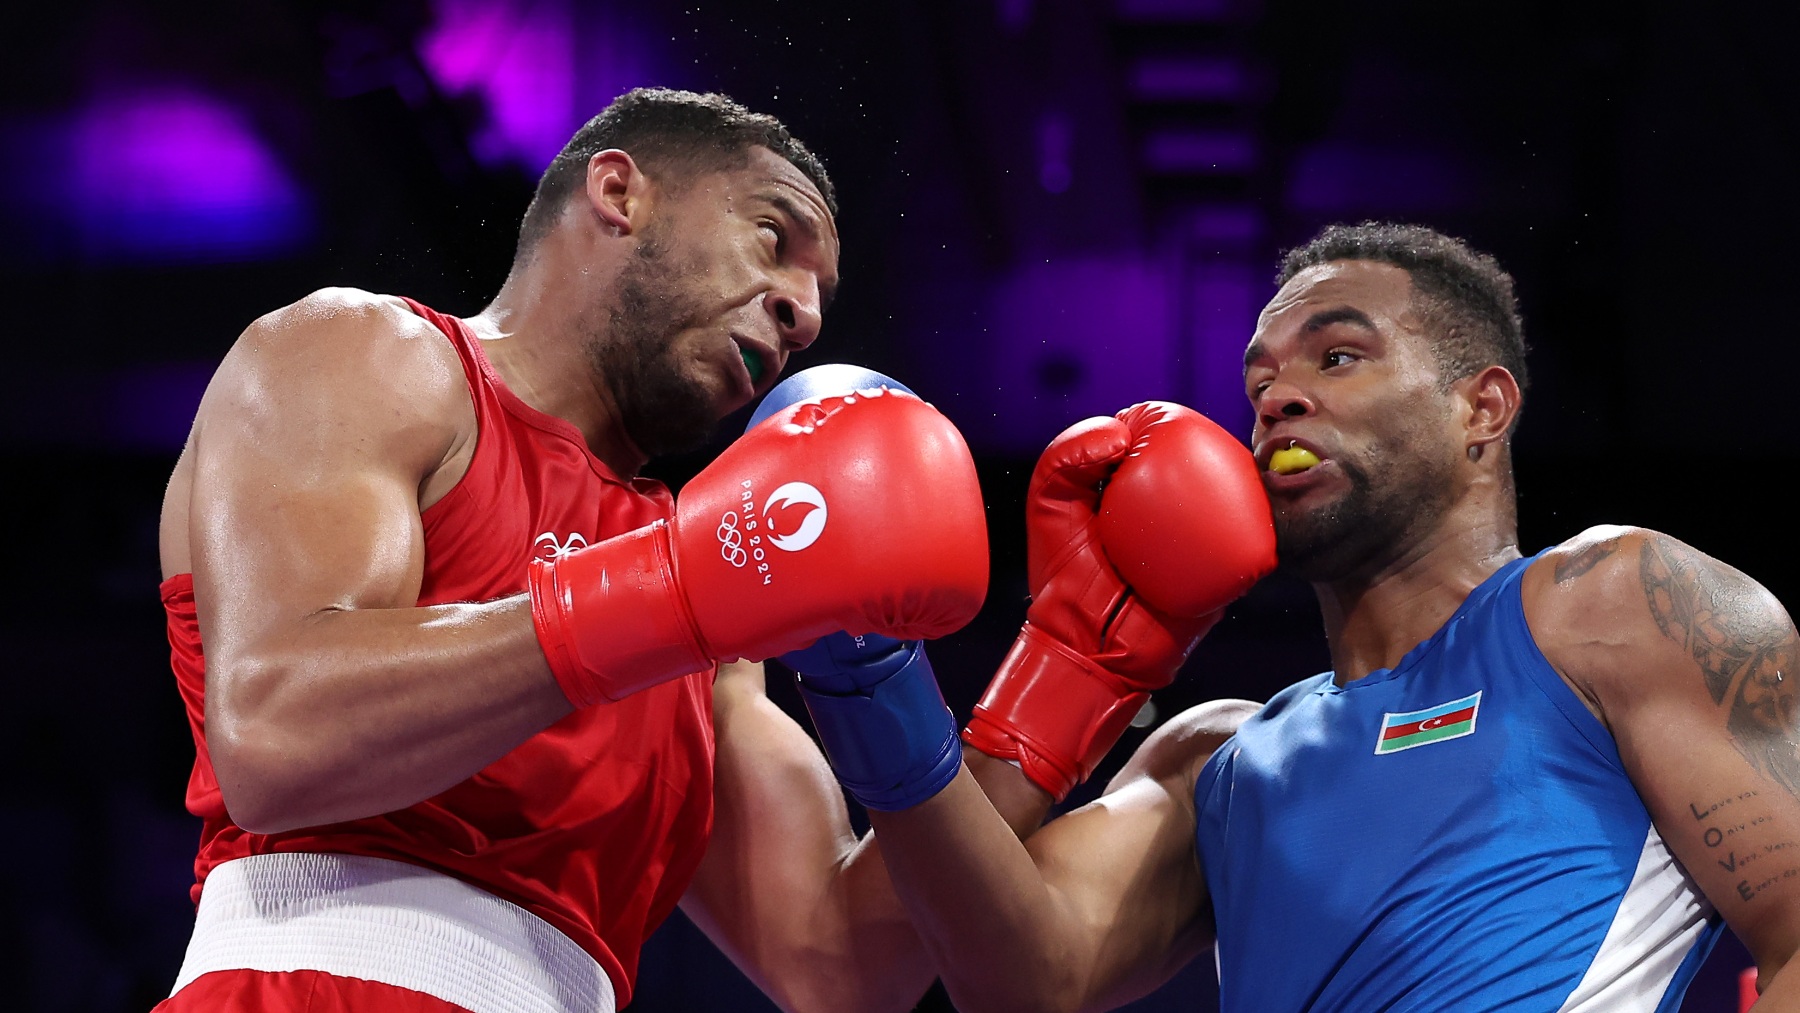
{"x": 615, "y": 190}
{"x": 1491, "y": 399}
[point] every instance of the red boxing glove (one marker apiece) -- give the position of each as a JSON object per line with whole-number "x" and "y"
{"x": 753, "y": 564}
{"x": 1093, "y": 647}
{"x": 1185, "y": 519}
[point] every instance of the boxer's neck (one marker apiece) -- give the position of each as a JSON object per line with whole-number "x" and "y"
{"x": 536, "y": 333}
{"x": 1375, "y": 616}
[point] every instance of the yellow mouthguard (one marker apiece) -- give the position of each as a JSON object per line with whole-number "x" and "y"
{"x": 1292, "y": 459}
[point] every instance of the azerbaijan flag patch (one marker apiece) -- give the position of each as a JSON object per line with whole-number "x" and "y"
{"x": 1451, "y": 720}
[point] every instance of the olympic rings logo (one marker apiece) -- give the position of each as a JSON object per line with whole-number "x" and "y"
{"x": 731, "y": 540}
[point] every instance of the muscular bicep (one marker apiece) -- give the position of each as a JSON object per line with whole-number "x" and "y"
{"x": 1126, "y": 865}
{"x": 306, "y": 461}
{"x": 330, "y": 693}
{"x": 1701, "y": 700}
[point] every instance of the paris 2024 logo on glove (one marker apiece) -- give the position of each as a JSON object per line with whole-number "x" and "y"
{"x": 791, "y": 518}
{"x": 794, "y": 498}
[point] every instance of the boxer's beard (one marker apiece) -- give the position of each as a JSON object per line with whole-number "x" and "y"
{"x": 1394, "y": 494}
{"x": 663, "y": 410}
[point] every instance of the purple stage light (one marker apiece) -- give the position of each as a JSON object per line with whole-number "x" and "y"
{"x": 1223, "y": 298}
{"x": 1056, "y": 141}
{"x": 145, "y": 408}
{"x": 520, "y": 57}
{"x": 1015, "y": 15}
{"x": 540, "y": 67}
{"x": 1333, "y": 178}
{"x": 1226, "y": 225}
{"x": 1064, "y": 339}
{"x": 1073, "y": 338}
{"x": 153, "y": 406}
{"x": 171, "y": 174}
{"x": 1191, "y": 79}
{"x": 1200, "y": 152}
{"x": 1174, "y": 10}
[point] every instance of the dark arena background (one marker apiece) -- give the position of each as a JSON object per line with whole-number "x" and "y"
{"x": 1051, "y": 209}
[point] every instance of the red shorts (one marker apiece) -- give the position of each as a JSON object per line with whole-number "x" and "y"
{"x": 297, "y": 992}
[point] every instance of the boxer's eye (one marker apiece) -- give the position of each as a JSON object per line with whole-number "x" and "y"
{"x": 775, "y": 231}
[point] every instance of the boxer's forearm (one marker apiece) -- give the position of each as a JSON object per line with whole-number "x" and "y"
{"x": 807, "y": 911}
{"x": 893, "y": 966}
{"x": 1018, "y": 799}
{"x": 351, "y": 713}
{"x": 981, "y": 905}
{"x": 802, "y": 907}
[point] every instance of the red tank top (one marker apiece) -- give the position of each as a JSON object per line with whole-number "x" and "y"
{"x": 594, "y": 824}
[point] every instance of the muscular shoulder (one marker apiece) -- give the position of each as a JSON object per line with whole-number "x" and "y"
{"x": 346, "y": 326}
{"x": 1621, "y": 611}
{"x": 343, "y": 352}
{"x": 1178, "y": 749}
{"x": 1573, "y": 589}
{"x": 344, "y": 381}
{"x": 338, "y": 304}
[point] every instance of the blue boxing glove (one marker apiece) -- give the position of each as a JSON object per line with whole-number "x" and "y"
{"x": 890, "y": 738}
{"x": 874, "y": 700}
{"x": 829, "y": 380}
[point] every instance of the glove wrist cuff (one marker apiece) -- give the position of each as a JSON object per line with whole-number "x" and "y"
{"x": 1055, "y": 711}
{"x": 610, "y": 618}
{"x": 892, "y": 744}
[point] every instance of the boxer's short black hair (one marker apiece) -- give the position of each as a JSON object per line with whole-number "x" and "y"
{"x": 671, "y": 135}
{"x": 1463, "y": 294}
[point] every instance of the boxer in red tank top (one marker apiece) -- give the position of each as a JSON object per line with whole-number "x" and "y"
{"x": 450, "y": 667}
{"x": 532, "y": 827}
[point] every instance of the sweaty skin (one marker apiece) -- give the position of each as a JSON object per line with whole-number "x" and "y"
{"x": 331, "y": 695}
{"x": 1680, "y": 657}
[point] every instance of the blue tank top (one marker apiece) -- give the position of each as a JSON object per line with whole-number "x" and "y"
{"x": 1454, "y": 833}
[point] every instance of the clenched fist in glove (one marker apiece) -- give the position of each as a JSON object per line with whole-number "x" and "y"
{"x": 1141, "y": 528}
{"x": 753, "y": 564}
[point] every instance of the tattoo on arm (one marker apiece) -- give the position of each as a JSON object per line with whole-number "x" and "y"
{"x": 1732, "y": 836}
{"x": 1585, "y": 560}
{"x": 1744, "y": 643}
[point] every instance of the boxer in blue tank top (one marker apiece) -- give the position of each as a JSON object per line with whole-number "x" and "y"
{"x": 1478, "y": 844}
{"x": 1538, "y": 783}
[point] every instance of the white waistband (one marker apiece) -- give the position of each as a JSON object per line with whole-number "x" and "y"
{"x": 390, "y": 922}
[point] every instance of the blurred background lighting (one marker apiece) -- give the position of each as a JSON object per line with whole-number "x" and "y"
{"x": 176, "y": 174}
